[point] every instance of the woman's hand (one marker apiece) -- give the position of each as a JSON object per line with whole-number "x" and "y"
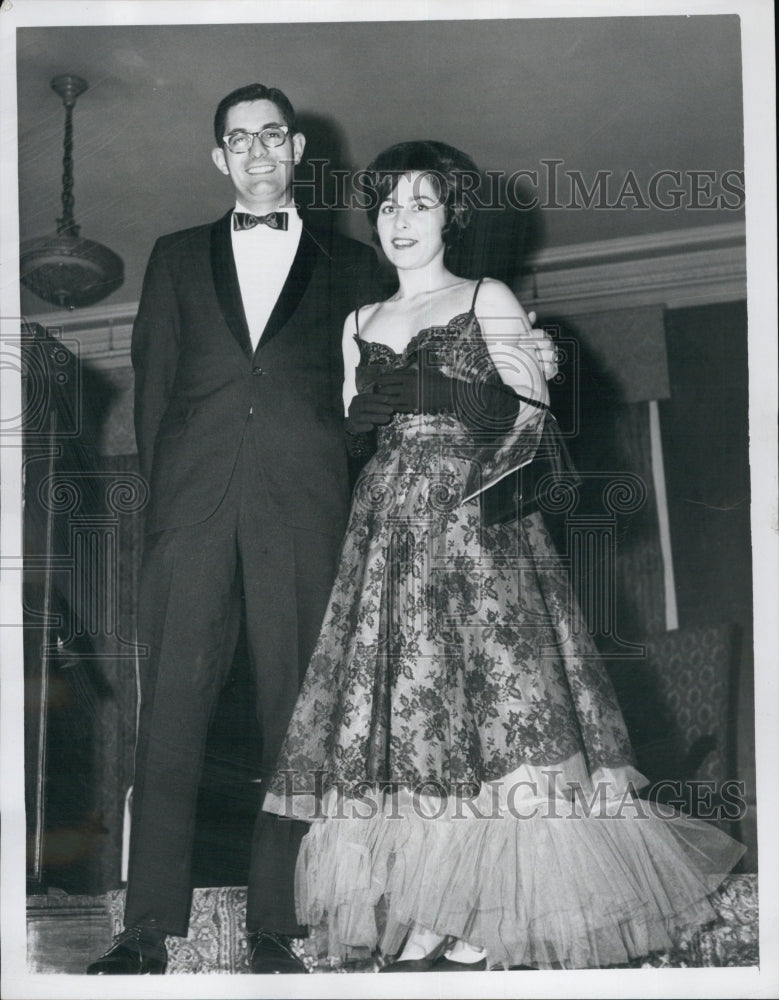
{"x": 410, "y": 390}
{"x": 483, "y": 406}
{"x": 366, "y": 411}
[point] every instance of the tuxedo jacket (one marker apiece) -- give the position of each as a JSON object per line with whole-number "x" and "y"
{"x": 197, "y": 378}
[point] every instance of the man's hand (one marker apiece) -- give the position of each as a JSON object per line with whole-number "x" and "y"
{"x": 545, "y": 349}
{"x": 366, "y": 411}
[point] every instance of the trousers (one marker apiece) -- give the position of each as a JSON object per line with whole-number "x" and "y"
{"x": 193, "y": 580}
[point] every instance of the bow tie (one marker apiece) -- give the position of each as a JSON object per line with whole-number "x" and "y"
{"x": 273, "y": 220}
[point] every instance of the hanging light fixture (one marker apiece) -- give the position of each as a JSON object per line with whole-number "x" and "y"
{"x": 65, "y": 269}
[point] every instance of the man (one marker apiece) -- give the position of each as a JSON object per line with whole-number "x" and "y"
{"x": 239, "y": 423}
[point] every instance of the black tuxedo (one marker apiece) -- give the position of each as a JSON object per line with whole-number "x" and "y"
{"x": 246, "y": 462}
{"x": 196, "y": 378}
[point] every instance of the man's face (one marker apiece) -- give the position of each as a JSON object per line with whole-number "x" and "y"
{"x": 262, "y": 177}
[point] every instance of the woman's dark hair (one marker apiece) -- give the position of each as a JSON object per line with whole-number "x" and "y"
{"x": 453, "y": 173}
{"x": 253, "y": 92}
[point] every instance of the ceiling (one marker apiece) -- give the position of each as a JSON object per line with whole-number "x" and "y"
{"x": 638, "y": 94}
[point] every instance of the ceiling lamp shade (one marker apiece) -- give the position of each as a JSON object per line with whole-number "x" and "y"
{"x": 64, "y": 268}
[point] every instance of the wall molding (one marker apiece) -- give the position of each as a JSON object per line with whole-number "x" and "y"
{"x": 101, "y": 333}
{"x": 669, "y": 241}
{"x": 673, "y": 269}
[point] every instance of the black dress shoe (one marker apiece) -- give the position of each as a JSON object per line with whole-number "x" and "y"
{"x": 135, "y": 952}
{"x": 272, "y": 952}
{"x": 444, "y": 964}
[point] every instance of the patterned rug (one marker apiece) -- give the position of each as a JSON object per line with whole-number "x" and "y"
{"x": 217, "y": 940}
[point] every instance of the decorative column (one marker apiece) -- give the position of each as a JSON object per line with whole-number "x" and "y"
{"x": 92, "y": 503}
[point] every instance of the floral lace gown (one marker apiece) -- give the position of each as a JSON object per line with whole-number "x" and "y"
{"x": 451, "y": 719}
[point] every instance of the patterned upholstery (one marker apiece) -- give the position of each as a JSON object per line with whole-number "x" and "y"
{"x": 732, "y": 941}
{"x": 680, "y": 706}
{"x": 217, "y": 942}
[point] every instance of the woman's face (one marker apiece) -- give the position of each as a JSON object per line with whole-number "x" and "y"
{"x": 411, "y": 221}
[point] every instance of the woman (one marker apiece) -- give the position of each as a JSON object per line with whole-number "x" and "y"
{"x": 463, "y": 742}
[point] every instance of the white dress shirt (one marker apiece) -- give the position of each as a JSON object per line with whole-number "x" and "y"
{"x": 263, "y": 258}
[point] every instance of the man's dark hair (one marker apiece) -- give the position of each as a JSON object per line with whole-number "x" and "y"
{"x": 448, "y": 169}
{"x": 253, "y": 92}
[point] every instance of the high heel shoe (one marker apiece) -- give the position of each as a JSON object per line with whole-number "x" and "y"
{"x": 417, "y": 964}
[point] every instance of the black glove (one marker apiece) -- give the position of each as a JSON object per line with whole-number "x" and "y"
{"x": 412, "y": 391}
{"x": 366, "y": 411}
{"x": 481, "y": 406}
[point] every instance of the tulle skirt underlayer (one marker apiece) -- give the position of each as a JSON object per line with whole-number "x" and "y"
{"x": 533, "y": 872}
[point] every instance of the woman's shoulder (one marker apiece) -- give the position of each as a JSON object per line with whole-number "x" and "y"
{"x": 495, "y": 295}
{"x": 357, "y": 319}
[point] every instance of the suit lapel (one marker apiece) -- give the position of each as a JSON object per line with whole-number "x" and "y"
{"x": 294, "y": 287}
{"x": 228, "y": 291}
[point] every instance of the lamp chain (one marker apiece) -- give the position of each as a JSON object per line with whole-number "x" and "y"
{"x": 66, "y": 225}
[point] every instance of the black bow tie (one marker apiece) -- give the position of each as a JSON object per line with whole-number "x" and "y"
{"x": 273, "y": 220}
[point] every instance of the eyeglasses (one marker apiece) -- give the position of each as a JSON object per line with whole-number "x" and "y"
{"x": 241, "y": 142}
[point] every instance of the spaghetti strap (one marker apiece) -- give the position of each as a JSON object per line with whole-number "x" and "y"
{"x": 475, "y": 293}
{"x": 357, "y": 321}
